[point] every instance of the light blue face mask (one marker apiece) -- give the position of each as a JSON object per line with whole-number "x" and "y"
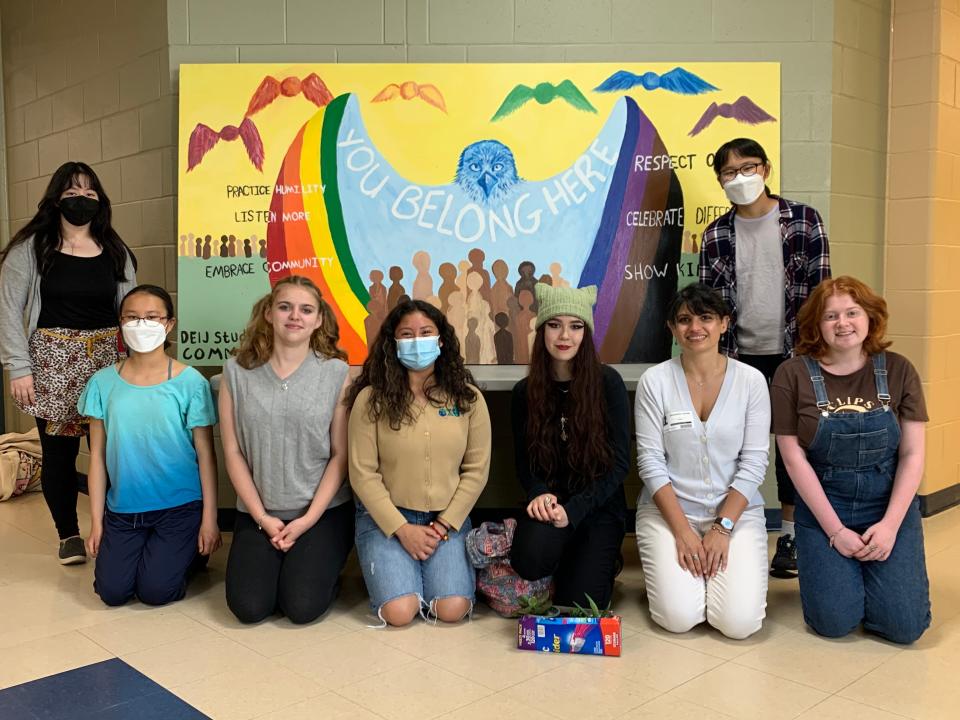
{"x": 418, "y": 353}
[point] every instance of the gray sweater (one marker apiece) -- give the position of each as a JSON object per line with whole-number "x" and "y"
{"x": 283, "y": 430}
{"x": 20, "y": 305}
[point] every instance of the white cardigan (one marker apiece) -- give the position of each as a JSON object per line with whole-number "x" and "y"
{"x": 702, "y": 460}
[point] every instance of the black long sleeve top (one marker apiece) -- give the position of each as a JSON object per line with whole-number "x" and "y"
{"x": 606, "y": 491}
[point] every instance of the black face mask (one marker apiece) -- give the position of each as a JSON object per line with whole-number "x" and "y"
{"x": 78, "y": 210}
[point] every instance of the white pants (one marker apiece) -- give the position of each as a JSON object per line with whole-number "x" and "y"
{"x": 734, "y": 601}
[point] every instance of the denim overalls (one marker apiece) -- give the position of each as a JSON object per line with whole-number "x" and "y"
{"x": 855, "y": 456}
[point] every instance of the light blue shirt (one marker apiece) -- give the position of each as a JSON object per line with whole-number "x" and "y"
{"x": 151, "y": 461}
{"x": 702, "y": 460}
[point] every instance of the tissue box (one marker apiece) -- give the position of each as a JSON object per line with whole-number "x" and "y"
{"x": 584, "y": 636}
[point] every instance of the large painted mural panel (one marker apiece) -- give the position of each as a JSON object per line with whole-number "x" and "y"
{"x": 462, "y": 185}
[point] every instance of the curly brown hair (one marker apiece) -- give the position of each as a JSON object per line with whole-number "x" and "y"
{"x": 256, "y": 343}
{"x": 587, "y": 452}
{"x": 811, "y": 341}
{"x": 391, "y": 395}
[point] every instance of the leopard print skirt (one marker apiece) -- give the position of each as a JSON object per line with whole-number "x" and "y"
{"x": 63, "y": 360}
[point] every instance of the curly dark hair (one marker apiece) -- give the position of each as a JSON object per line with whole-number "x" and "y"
{"x": 44, "y": 227}
{"x": 588, "y": 452}
{"x": 391, "y": 396}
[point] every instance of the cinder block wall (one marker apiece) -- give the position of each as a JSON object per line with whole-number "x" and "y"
{"x": 83, "y": 82}
{"x": 102, "y": 84}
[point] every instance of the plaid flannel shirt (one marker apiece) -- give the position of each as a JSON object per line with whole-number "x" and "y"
{"x": 806, "y": 261}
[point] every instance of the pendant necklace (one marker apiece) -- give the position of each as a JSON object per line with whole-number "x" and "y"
{"x": 563, "y": 419}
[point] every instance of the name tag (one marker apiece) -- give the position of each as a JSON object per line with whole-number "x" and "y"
{"x": 678, "y": 420}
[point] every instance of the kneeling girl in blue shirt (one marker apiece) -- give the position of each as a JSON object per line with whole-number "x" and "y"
{"x": 151, "y": 434}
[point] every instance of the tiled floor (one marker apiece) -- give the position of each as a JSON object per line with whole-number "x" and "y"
{"x": 338, "y": 668}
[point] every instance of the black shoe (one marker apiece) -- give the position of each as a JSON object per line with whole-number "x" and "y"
{"x": 784, "y": 564}
{"x": 72, "y": 551}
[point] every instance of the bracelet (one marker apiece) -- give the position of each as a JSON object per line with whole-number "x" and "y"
{"x": 445, "y": 535}
{"x": 833, "y": 536}
{"x": 260, "y": 521}
{"x": 720, "y": 529}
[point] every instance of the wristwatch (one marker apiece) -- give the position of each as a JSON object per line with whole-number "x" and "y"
{"x": 725, "y": 523}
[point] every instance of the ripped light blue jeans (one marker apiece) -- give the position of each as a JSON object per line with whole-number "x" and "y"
{"x": 389, "y": 572}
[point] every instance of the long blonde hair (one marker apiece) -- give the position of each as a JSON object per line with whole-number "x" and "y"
{"x": 256, "y": 343}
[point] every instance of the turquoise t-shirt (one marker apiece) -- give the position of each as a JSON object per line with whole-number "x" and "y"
{"x": 151, "y": 460}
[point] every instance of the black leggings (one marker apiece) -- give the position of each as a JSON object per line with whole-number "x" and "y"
{"x": 583, "y": 561}
{"x": 768, "y": 364}
{"x": 58, "y": 476}
{"x": 302, "y": 583}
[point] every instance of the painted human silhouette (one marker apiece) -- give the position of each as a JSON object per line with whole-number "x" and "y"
{"x": 555, "y": 275}
{"x": 378, "y": 293}
{"x": 479, "y": 309}
{"x": 422, "y": 283}
{"x": 501, "y": 289}
{"x": 247, "y": 250}
{"x": 476, "y": 257}
{"x": 457, "y": 315}
{"x": 263, "y": 248}
{"x": 199, "y": 248}
{"x": 513, "y": 310}
{"x": 232, "y": 246}
{"x": 524, "y": 318}
{"x": 184, "y": 250}
{"x": 435, "y": 301}
{"x": 472, "y": 342}
{"x": 448, "y": 275}
{"x": 396, "y": 289}
{"x": 527, "y": 279}
{"x": 223, "y": 246}
{"x": 546, "y": 279}
{"x": 207, "y": 240}
{"x": 373, "y": 321}
{"x": 503, "y": 340}
{"x": 463, "y": 267}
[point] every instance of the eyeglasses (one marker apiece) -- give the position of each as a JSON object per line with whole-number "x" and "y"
{"x": 745, "y": 170}
{"x": 125, "y": 319}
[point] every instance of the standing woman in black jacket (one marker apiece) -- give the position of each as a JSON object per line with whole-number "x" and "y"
{"x": 62, "y": 278}
{"x": 571, "y": 429}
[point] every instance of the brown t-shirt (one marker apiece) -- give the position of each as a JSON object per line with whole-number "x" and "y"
{"x": 794, "y": 402}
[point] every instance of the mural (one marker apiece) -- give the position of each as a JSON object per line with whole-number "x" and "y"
{"x": 487, "y": 180}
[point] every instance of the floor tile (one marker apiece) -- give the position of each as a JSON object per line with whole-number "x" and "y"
{"x": 494, "y": 661}
{"x": 105, "y": 689}
{"x": 328, "y": 706}
{"x": 344, "y": 659}
{"x": 48, "y": 656}
{"x": 659, "y": 664}
{"x": 667, "y": 707}
{"x": 749, "y": 694}
{"x": 425, "y": 638}
{"x": 580, "y": 689}
{"x": 147, "y": 628}
{"x": 822, "y": 663}
{"x": 187, "y": 661}
{"x": 838, "y": 708}
{"x": 918, "y": 684}
{"x": 239, "y": 694}
{"x": 500, "y": 707}
{"x": 416, "y": 690}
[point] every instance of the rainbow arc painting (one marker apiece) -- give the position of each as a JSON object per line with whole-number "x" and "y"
{"x": 460, "y": 185}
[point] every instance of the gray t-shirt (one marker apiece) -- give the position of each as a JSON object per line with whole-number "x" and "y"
{"x": 760, "y": 278}
{"x": 283, "y": 429}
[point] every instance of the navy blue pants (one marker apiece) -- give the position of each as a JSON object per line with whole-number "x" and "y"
{"x": 147, "y": 554}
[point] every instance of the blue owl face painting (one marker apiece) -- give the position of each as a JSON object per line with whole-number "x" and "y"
{"x": 487, "y": 172}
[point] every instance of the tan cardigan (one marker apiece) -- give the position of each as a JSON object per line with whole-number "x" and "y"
{"x": 439, "y": 463}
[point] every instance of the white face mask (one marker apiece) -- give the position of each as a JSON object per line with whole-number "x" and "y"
{"x": 744, "y": 189}
{"x": 144, "y": 335}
